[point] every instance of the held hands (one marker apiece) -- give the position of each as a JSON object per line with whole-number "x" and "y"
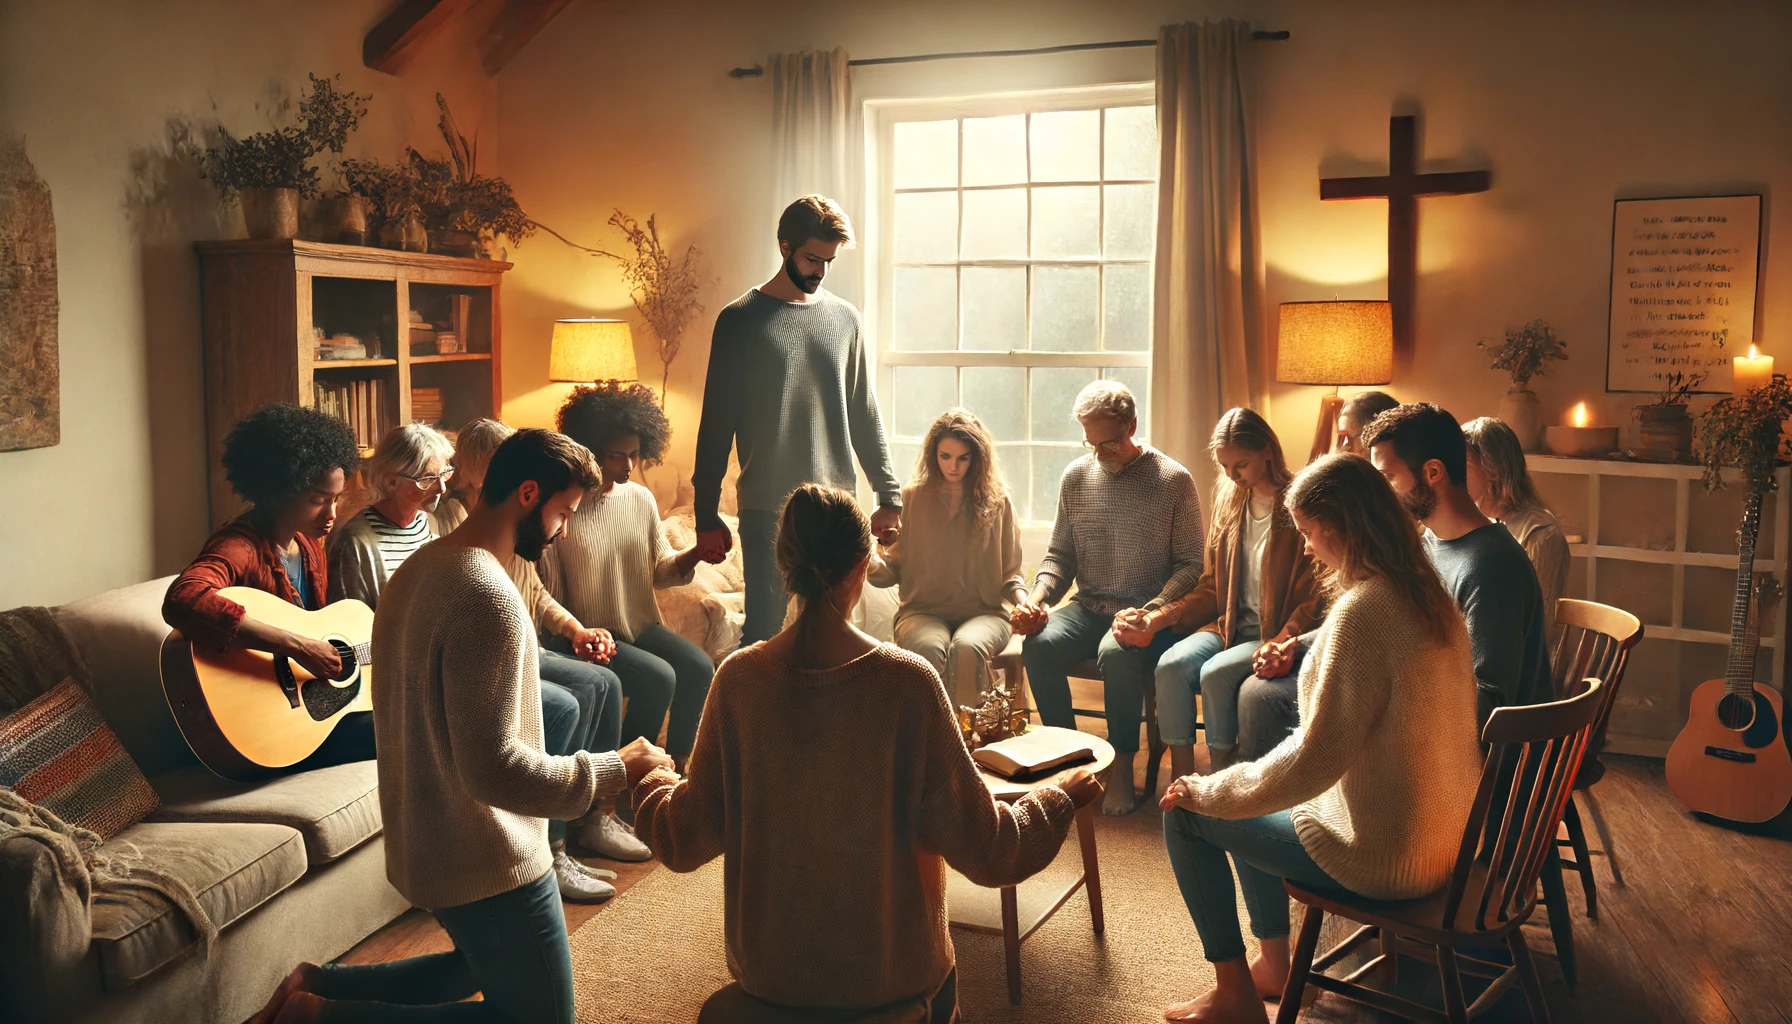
{"x": 1028, "y": 617}
{"x": 1134, "y": 627}
{"x": 886, "y": 525}
{"x": 1274, "y": 659}
{"x": 1177, "y": 791}
{"x": 713, "y": 545}
{"x": 594, "y": 645}
{"x": 641, "y": 757}
{"x": 1082, "y": 788}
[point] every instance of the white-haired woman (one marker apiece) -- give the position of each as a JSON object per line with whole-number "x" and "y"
{"x": 409, "y": 473}
{"x": 1501, "y": 486}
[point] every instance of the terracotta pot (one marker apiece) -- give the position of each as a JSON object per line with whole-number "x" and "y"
{"x": 1521, "y": 411}
{"x": 345, "y": 220}
{"x": 1666, "y": 430}
{"x": 271, "y": 212}
{"x": 453, "y": 243}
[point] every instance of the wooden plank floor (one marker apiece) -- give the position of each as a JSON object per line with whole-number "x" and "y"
{"x": 1695, "y": 918}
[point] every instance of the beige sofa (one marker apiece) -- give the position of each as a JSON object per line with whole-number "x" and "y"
{"x": 291, "y": 869}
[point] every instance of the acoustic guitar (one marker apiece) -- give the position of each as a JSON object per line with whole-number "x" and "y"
{"x": 247, "y": 714}
{"x": 1730, "y": 760}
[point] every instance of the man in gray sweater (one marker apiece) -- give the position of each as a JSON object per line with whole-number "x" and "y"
{"x": 790, "y": 386}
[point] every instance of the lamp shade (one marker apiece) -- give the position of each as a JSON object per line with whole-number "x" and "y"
{"x": 591, "y": 350}
{"x": 1337, "y": 342}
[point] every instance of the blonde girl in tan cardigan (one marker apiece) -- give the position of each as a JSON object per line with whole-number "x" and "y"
{"x": 957, "y": 557}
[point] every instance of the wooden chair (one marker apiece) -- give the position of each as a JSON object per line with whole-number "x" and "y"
{"x": 1014, "y": 675}
{"x": 1595, "y": 641}
{"x": 1492, "y": 890}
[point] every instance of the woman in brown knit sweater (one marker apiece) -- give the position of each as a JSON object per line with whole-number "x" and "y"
{"x": 831, "y": 777}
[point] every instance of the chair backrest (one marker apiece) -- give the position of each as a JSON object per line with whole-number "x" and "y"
{"x": 1533, "y": 753}
{"x": 1594, "y": 642}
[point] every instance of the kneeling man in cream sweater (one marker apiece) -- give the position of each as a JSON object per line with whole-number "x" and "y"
{"x": 465, "y": 788}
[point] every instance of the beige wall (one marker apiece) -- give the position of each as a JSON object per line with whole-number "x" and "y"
{"x": 94, "y": 87}
{"x": 1571, "y": 104}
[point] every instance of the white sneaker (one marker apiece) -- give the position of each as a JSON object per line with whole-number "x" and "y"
{"x": 607, "y": 837}
{"x": 577, "y": 885}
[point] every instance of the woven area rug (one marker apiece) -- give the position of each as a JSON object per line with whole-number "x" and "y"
{"x": 656, "y": 954}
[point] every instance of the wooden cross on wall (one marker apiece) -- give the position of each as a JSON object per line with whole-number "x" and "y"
{"x": 1402, "y": 187}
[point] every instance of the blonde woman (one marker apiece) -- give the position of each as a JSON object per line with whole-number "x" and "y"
{"x": 1257, "y": 588}
{"x": 957, "y": 558}
{"x": 1370, "y": 794}
{"x": 1500, "y": 484}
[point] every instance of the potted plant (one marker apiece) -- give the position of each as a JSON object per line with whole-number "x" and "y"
{"x": 394, "y": 196}
{"x": 1744, "y": 431}
{"x": 269, "y": 171}
{"x": 1666, "y": 425}
{"x": 466, "y": 210}
{"x": 1522, "y": 355}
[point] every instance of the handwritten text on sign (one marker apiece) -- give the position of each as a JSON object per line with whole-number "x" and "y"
{"x": 1683, "y": 289}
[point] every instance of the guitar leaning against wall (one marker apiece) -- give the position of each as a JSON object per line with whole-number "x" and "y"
{"x": 1730, "y": 760}
{"x": 246, "y": 714}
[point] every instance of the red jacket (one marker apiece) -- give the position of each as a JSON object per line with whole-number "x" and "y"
{"x": 238, "y": 555}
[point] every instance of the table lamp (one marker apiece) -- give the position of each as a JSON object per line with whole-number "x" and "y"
{"x": 586, "y": 351}
{"x": 1335, "y": 342}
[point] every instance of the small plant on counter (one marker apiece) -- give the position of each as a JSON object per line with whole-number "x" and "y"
{"x": 1526, "y": 350}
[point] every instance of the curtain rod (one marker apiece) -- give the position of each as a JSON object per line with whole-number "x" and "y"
{"x": 757, "y": 72}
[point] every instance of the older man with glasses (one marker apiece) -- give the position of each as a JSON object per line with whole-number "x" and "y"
{"x": 1128, "y": 534}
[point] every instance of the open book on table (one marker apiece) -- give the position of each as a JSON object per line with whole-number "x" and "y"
{"x": 1034, "y": 753}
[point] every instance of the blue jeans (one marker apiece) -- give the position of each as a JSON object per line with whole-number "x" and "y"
{"x": 1202, "y": 664}
{"x": 1074, "y": 634}
{"x": 1265, "y": 850}
{"x": 765, "y": 598}
{"x": 510, "y": 947}
{"x": 599, "y": 693}
{"x": 559, "y": 734}
{"x": 1268, "y": 710}
{"x": 662, "y": 671}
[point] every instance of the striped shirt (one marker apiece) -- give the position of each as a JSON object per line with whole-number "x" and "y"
{"x": 367, "y": 548}
{"x": 397, "y": 543}
{"x": 1131, "y": 539}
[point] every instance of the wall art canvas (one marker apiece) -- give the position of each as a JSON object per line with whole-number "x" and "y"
{"x": 30, "y": 374}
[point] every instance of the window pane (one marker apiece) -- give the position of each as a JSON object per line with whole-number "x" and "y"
{"x": 1048, "y": 472}
{"x": 1138, "y": 378}
{"x": 926, "y": 154}
{"x": 995, "y": 224}
{"x": 997, "y": 394}
{"x": 924, "y": 308}
{"x": 902, "y": 458}
{"x": 1067, "y": 222}
{"x": 1065, "y": 308}
{"x": 995, "y": 309}
{"x": 1131, "y": 145}
{"x": 1067, "y": 146}
{"x": 1054, "y": 394}
{"x": 927, "y": 227}
{"x": 1127, "y": 222}
{"x": 1011, "y": 462}
{"x": 1126, "y": 307}
{"x": 995, "y": 150}
{"x": 922, "y": 393}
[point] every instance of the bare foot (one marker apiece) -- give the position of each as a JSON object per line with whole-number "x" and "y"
{"x": 1270, "y": 977}
{"x": 1119, "y": 798}
{"x": 1216, "y": 1007}
{"x": 302, "y": 1008}
{"x": 298, "y": 981}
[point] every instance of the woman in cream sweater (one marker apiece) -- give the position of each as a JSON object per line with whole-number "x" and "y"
{"x": 1371, "y": 792}
{"x": 957, "y": 558}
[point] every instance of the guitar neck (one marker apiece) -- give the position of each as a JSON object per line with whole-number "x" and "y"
{"x": 1745, "y": 636}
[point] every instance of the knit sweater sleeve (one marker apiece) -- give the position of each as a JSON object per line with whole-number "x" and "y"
{"x": 1348, "y": 696}
{"x": 866, "y": 424}
{"x": 665, "y": 560}
{"x": 720, "y": 419}
{"x": 548, "y": 614}
{"x": 1012, "y": 552}
{"x": 682, "y": 820}
{"x": 483, "y": 697}
{"x": 1058, "y": 568}
{"x": 1187, "y": 538}
{"x": 989, "y": 842}
{"x": 353, "y": 556}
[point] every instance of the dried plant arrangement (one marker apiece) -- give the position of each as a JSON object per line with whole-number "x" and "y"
{"x": 1525, "y": 350}
{"x": 281, "y": 157}
{"x": 1677, "y": 388}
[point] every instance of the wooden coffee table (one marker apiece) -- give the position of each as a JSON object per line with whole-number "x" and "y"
{"x": 1016, "y": 914}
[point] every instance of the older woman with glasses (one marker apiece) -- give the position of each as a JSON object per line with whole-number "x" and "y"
{"x": 409, "y": 473}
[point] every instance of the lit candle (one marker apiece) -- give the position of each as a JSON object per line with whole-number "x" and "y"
{"x": 1576, "y": 438}
{"x": 1752, "y": 371}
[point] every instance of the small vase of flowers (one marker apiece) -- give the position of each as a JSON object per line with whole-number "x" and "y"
{"x": 1523, "y": 355}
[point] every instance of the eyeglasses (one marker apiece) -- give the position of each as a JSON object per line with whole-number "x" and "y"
{"x": 1113, "y": 447}
{"x": 424, "y": 483}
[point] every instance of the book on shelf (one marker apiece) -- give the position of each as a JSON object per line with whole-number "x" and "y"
{"x": 1033, "y": 753}
{"x": 426, "y": 405}
{"x": 360, "y": 404}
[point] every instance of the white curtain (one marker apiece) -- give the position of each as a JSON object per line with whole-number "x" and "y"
{"x": 1207, "y": 328}
{"x": 818, "y": 146}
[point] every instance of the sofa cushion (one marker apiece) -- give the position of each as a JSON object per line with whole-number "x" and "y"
{"x": 119, "y": 633}
{"x": 336, "y": 809}
{"x": 58, "y": 753}
{"x": 231, "y": 869}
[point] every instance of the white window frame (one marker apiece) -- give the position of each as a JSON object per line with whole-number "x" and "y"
{"x": 881, "y": 116}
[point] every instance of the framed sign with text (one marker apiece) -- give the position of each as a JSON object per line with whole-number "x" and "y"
{"x": 1682, "y": 289}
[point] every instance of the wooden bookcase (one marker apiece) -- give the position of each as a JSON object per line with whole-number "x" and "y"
{"x": 1648, "y": 538}
{"x": 261, "y": 301}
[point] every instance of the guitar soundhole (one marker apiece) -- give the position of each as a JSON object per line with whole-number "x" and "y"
{"x": 1736, "y": 711}
{"x": 323, "y": 699}
{"x": 347, "y": 654}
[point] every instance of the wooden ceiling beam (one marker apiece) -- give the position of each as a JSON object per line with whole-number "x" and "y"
{"x": 401, "y": 35}
{"x": 514, "y": 26}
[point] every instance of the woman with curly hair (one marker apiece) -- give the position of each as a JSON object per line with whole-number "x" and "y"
{"x": 291, "y": 465}
{"x": 614, "y": 556}
{"x": 957, "y": 557}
